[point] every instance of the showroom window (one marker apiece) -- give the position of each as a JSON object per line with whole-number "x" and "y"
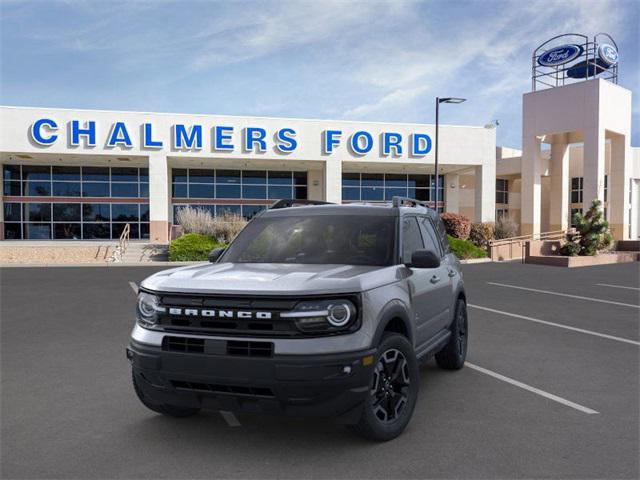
{"x": 215, "y": 189}
{"x": 382, "y": 187}
{"x": 502, "y": 190}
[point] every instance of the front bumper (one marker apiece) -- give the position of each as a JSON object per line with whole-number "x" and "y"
{"x": 333, "y": 385}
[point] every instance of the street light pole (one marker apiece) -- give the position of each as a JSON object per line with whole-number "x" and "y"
{"x": 438, "y": 102}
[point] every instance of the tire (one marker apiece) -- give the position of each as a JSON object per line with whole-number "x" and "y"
{"x": 394, "y": 387}
{"x": 164, "y": 409}
{"x": 454, "y": 353}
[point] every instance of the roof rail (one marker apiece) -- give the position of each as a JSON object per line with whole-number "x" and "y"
{"x": 407, "y": 202}
{"x": 290, "y": 202}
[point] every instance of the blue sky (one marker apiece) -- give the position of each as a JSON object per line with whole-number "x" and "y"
{"x": 365, "y": 60}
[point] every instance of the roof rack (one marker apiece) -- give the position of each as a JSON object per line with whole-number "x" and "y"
{"x": 407, "y": 202}
{"x": 290, "y": 202}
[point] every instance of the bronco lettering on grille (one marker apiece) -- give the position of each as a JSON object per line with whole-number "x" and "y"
{"x": 194, "y": 312}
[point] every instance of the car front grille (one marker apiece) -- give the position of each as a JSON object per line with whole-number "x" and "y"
{"x": 217, "y": 347}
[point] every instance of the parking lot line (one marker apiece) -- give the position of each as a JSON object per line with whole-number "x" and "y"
{"x": 230, "y": 418}
{"x": 617, "y": 286}
{"x": 552, "y": 324}
{"x": 531, "y": 389}
{"x": 590, "y": 299}
{"x": 134, "y": 287}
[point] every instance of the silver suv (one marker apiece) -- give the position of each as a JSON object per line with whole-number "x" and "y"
{"x": 312, "y": 310}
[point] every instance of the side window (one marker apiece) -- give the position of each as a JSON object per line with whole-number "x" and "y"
{"x": 431, "y": 241}
{"x": 411, "y": 238}
{"x": 442, "y": 233}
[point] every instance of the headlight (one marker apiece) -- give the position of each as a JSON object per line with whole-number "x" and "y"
{"x": 324, "y": 316}
{"x": 148, "y": 309}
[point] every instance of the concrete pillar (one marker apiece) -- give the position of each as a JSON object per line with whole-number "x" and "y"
{"x": 593, "y": 167}
{"x": 333, "y": 181}
{"x": 618, "y": 188}
{"x": 159, "y": 198}
{"x": 559, "y": 195}
{"x": 315, "y": 190}
{"x": 1, "y": 208}
{"x": 485, "y": 192}
{"x": 452, "y": 192}
{"x": 531, "y": 186}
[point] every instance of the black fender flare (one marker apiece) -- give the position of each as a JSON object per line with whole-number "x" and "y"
{"x": 393, "y": 309}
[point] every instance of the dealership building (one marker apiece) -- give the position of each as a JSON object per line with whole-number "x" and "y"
{"x": 85, "y": 174}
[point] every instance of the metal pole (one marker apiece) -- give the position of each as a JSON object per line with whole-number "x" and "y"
{"x": 436, "y": 152}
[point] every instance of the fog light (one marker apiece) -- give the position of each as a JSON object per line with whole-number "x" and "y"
{"x": 368, "y": 360}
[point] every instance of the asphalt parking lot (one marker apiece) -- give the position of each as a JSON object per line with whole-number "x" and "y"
{"x": 551, "y": 389}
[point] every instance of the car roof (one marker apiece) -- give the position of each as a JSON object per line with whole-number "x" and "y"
{"x": 383, "y": 210}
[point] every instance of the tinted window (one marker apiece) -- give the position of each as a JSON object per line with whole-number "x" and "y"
{"x": 442, "y": 233}
{"x": 429, "y": 236}
{"x": 100, "y": 174}
{"x": 66, "y": 173}
{"x": 66, "y": 212}
{"x": 317, "y": 239}
{"x": 411, "y": 238}
{"x": 66, "y": 189}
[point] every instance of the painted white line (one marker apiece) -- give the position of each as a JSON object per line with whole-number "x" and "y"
{"x": 590, "y": 299}
{"x": 616, "y": 286}
{"x": 552, "y": 324}
{"x": 134, "y": 287}
{"x": 531, "y": 389}
{"x": 230, "y": 418}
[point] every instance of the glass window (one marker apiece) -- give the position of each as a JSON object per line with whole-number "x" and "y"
{"x": 124, "y": 190}
{"x": 12, "y": 189}
{"x": 144, "y": 230}
{"x": 179, "y": 190}
{"x": 350, "y": 193}
{"x": 419, "y": 194}
{"x": 124, "y": 174}
{"x": 442, "y": 234}
{"x": 95, "y": 189}
{"x": 351, "y": 180}
{"x": 372, "y": 180}
{"x": 576, "y": 190}
{"x": 12, "y": 231}
{"x": 95, "y": 174}
{"x": 71, "y": 231}
{"x": 280, "y": 178}
{"x": 36, "y": 172}
{"x": 144, "y": 212}
{"x": 373, "y": 193}
{"x": 300, "y": 193}
{"x": 250, "y": 211}
{"x": 199, "y": 175}
{"x": 117, "y": 228}
{"x": 429, "y": 236}
{"x": 96, "y": 212}
{"x": 606, "y": 187}
{"x": 96, "y": 230}
{"x": 37, "y": 231}
{"x": 395, "y": 180}
{"x": 66, "y": 189}
{"x": 300, "y": 178}
{"x": 66, "y": 173}
{"x": 279, "y": 192}
{"x": 419, "y": 181}
{"x": 179, "y": 175}
{"x": 254, "y": 191}
{"x": 144, "y": 190}
{"x": 229, "y": 209}
{"x": 254, "y": 177}
{"x": 389, "y": 193}
{"x": 227, "y": 191}
{"x": 12, "y": 212}
{"x": 411, "y": 238}
{"x": 11, "y": 172}
{"x": 200, "y": 190}
{"x": 37, "y": 189}
{"x": 124, "y": 212}
{"x": 37, "y": 212}
{"x": 227, "y": 176}
{"x": 66, "y": 212}
{"x": 502, "y": 190}
{"x": 144, "y": 174}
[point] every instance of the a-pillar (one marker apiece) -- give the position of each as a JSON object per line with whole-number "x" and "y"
{"x": 618, "y": 188}
{"x": 593, "y": 167}
{"x": 485, "y": 192}
{"x": 159, "y": 201}
{"x": 451, "y": 192}
{"x": 531, "y": 186}
{"x": 333, "y": 181}
{"x": 559, "y": 196}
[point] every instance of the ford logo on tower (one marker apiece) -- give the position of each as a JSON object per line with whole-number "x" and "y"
{"x": 608, "y": 54}
{"x": 560, "y": 55}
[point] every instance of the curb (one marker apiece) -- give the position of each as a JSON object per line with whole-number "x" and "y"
{"x": 471, "y": 261}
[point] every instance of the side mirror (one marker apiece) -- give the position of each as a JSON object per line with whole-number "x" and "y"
{"x": 215, "y": 254}
{"x": 424, "y": 259}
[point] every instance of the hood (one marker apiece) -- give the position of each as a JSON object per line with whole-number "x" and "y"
{"x": 271, "y": 278}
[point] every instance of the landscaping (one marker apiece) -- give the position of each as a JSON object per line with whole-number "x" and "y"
{"x": 192, "y": 247}
{"x": 465, "y": 250}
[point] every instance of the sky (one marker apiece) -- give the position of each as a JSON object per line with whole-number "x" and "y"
{"x": 344, "y": 60}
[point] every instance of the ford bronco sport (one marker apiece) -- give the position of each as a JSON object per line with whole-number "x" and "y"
{"x": 312, "y": 310}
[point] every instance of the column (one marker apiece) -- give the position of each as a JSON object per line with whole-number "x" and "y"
{"x": 333, "y": 180}
{"x": 485, "y": 192}
{"x": 531, "y": 188}
{"x": 315, "y": 190}
{"x": 618, "y": 188}
{"x": 1, "y": 208}
{"x": 159, "y": 198}
{"x": 593, "y": 167}
{"x": 452, "y": 192}
{"x": 559, "y": 195}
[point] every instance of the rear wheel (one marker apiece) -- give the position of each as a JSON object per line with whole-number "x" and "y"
{"x": 393, "y": 390}
{"x": 164, "y": 409}
{"x": 454, "y": 353}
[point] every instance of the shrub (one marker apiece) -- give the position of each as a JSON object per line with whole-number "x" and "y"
{"x": 223, "y": 228}
{"x": 481, "y": 234}
{"x": 591, "y": 235}
{"x": 192, "y": 247}
{"x": 505, "y": 228}
{"x": 458, "y": 226}
{"x": 464, "y": 249}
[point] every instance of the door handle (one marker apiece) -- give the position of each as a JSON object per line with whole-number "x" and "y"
{"x": 435, "y": 279}
{"x": 452, "y": 273}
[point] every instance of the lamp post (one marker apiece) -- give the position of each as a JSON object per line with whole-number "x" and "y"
{"x": 438, "y": 102}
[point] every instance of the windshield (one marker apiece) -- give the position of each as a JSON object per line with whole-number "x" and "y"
{"x": 318, "y": 239}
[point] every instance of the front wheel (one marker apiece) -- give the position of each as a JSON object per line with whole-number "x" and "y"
{"x": 393, "y": 390}
{"x": 454, "y": 353}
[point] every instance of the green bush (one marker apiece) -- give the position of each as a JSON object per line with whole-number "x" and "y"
{"x": 464, "y": 249}
{"x": 192, "y": 247}
{"x": 591, "y": 235}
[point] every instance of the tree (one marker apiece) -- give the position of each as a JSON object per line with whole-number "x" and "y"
{"x": 591, "y": 235}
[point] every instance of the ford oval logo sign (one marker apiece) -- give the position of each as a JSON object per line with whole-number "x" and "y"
{"x": 560, "y": 55}
{"x": 608, "y": 54}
